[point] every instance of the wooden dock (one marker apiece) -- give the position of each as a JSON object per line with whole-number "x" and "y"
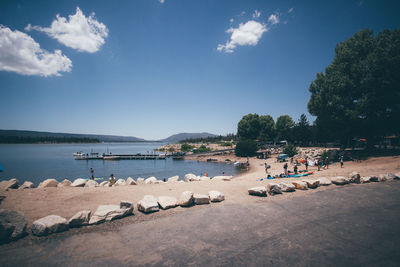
{"x": 109, "y": 156}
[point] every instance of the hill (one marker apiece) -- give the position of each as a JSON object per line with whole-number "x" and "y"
{"x": 101, "y": 138}
{"x": 182, "y": 136}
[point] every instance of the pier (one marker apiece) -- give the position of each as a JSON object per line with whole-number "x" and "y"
{"x": 109, "y": 156}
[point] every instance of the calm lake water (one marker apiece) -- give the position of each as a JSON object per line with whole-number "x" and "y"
{"x": 36, "y": 162}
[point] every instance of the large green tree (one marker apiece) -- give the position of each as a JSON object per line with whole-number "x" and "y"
{"x": 359, "y": 93}
{"x": 302, "y": 131}
{"x": 249, "y": 127}
{"x": 284, "y": 126}
{"x": 267, "y": 128}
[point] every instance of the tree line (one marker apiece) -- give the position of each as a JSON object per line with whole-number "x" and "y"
{"x": 45, "y": 139}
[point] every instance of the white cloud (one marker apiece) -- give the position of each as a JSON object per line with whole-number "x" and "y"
{"x": 248, "y": 33}
{"x": 79, "y": 32}
{"x": 21, "y": 54}
{"x": 256, "y": 14}
{"x": 162, "y": 1}
{"x": 290, "y": 10}
{"x": 231, "y": 20}
{"x": 274, "y": 19}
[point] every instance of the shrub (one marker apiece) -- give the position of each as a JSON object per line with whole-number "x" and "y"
{"x": 201, "y": 149}
{"x": 226, "y": 144}
{"x": 186, "y": 147}
{"x": 246, "y": 148}
{"x": 290, "y": 150}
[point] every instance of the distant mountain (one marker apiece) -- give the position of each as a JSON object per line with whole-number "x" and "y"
{"x": 101, "y": 138}
{"x": 182, "y": 136}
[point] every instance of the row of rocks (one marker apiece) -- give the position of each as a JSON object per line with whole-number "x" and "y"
{"x": 80, "y": 182}
{"x": 13, "y": 224}
{"x": 150, "y": 203}
{"x": 354, "y": 177}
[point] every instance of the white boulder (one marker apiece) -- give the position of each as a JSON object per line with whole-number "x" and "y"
{"x": 91, "y": 184}
{"x": 148, "y": 204}
{"x": 109, "y": 213}
{"x": 201, "y": 199}
{"x": 104, "y": 183}
{"x": 287, "y": 187}
{"x": 140, "y": 180}
{"x": 80, "y": 218}
{"x": 27, "y": 185}
{"x": 258, "y": 191}
{"x": 222, "y": 178}
{"x": 151, "y": 180}
{"x": 167, "y": 202}
{"x": 324, "y": 181}
{"x": 10, "y": 184}
{"x": 312, "y": 183}
{"x": 216, "y": 196}
{"x": 130, "y": 181}
{"x": 80, "y": 182}
{"x": 173, "y": 179}
{"x": 48, "y": 183}
{"x": 354, "y": 177}
{"x": 186, "y": 199}
{"x": 300, "y": 185}
{"x": 64, "y": 183}
{"x": 190, "y": 177}
{"x": 365, "y": 179}
{"x": 120, "y": 182}
{"x": 339, "y": 180}
{"x": 49, "y": 224}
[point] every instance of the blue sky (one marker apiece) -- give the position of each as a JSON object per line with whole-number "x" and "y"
{"x": 151, "y": 69}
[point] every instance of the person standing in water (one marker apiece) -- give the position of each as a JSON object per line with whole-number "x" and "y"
{"x": 91, "y": 174}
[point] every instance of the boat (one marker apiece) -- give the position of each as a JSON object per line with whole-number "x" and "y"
{"x": 78, "y": 154}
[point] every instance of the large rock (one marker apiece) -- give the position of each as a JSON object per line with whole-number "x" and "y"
{"x": 374, "y": 178}
{"x": 167, "y": 202}
{"x": 274, "y": 189}
{"x": 287, "y": 187}
{"x": 258, "y": 191}
{"x": 324, "y": 181}
{"x": 216, "y": 196}
{"x": 382, "y": 177}
{"x": 397, "y": 176}
{"x": 190, "y": 177}
{"x": 125, "y": 204}
{"x": 354, "y": 177}
{"x": 120, "y": 182}
{"x": 10, "y": 184}
{"x": 151, "y": 180}
{"x": 300, "y": 185}
{"x": 130, "y": 181}
{"x": 27, "y": 185}
{"x": 339, "y": 180}
{"x": 48, "y": 183}
{"x": 48, "y": 225}
{"x": 109, "y": 213}
{"x": 79, "y": 219}
{"x": 80, "y": 182}
{"x": 140, "y": 180}
{"x": 173, "y": 179}
{"x": 186, "y": 199}
{"x": 365, "y": 179}
{"x": 91, "y": 184}
{"x": 201, "y": 199}
{"x": 390, "y": 176}
{"x": 204, "y": 178}
{"x": 104, "y": 183}
{"x": 148, "y": 204}
{"x": 12, "y": 225}
{"x": 312, "y": 183}
{"x": 64, "y": 183}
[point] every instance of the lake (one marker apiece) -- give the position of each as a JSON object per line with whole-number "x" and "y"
{"x": 37, "y": 162}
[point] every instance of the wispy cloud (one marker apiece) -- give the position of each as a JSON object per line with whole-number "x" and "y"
{"x": 162, "y": 1}
{"x": 248, "y": 33}
{"x": 256, "y": 14}
{"x": 85, "y": 34}
{"x": 274, "y": 18}
{"x": 290, "y": 10}
{"x": 21, "y": 54}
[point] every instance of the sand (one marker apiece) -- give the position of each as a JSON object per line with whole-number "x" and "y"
{"x": 66, "y": 201}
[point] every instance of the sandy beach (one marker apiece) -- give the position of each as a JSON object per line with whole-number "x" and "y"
{"x": 66, "y": 201}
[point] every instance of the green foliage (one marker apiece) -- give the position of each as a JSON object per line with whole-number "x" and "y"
{"x": 267, "y": 128}
{"x": 226, "y": 144}
{"x": 210, "y": 139}
{"x": 302, "y": 131}
{"x": 249, "y": 127}
{"x": 358, "y": 95}
{"x": 290, "y": 150}
{"x": 284, "y": 126}
{"x": 201, "y": 149}
{"x": 186, "y": 147}
{"x": 246, "y": 148}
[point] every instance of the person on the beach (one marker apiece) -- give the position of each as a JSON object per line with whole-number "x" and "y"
{"x": 223, "y": 173}
{"x": 266, "y": 167}
{"x": 317, "y": 162}
{"x": 341, "y": 162}
{"x": 285, "y": 166}
{"x": 91, "y": 174}
{"x": 295, "y": 169}
{"x": 206, "y": 174}
{"x": 306, "y": 163}
{"x": 112, "y": 180}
